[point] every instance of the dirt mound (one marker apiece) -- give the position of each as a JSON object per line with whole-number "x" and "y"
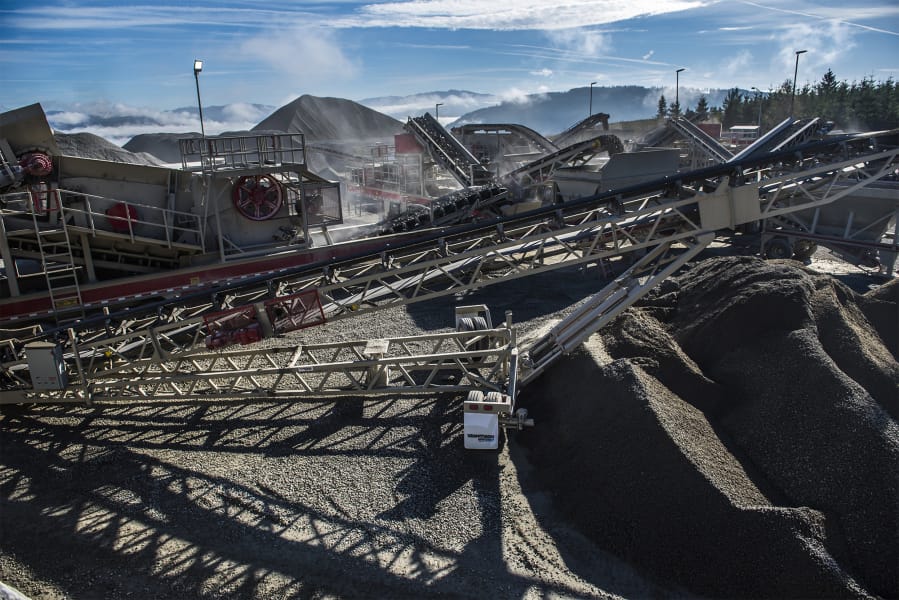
{"x": 741, "y": 442}
{"x": 331, "y": 119}
{"x": 88, "y": 145}
{"x": 164, "y": 146}
{"x": 881, "y": 307}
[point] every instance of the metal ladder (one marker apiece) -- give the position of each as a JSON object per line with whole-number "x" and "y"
{"x": 58, "y": 262}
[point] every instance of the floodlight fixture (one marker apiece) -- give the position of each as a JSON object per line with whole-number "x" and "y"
{"x": 198, "y": 66}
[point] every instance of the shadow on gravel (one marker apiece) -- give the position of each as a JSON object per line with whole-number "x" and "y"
{"x": 528, "y": 298}
{"x": 249, "y": 501}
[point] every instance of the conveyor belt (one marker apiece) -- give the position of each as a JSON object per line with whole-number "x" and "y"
{"x": 448, "y": 152}
{"x": 596, "y": 229}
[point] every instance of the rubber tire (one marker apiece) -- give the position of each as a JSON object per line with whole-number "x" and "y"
{"x": 778, "y": 248}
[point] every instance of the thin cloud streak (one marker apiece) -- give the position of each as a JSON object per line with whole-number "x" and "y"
{"x": 837, "y": 14}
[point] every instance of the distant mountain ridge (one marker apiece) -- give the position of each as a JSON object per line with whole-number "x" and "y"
{"x": 554, "y": 112}
{"x": 548, "y": 113}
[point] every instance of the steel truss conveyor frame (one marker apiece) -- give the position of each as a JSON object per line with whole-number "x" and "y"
{"x": 476, "y": 360}
{"x": 618, "y": 225}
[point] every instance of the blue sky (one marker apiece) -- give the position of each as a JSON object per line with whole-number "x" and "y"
{"x": 68, "y": 54}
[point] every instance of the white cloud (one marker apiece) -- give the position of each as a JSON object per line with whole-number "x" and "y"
{"x": 453, "y": 105}
{"x": 544, "y": 72}
{"x": 510, "y": 15}
{"x": 518, "y": 96}
{"x": 118, "y": 122}
{"x": 301, "y": 52}
{"x": 585, "y": 42}
{"x": 648, "y": 55}
{"x": 243, "y": 112}
{"x": 878, "y": 13}
{"x": 825, "y": 42}
{"x": 737, "y": 64}
{"x": 130, "y": 15}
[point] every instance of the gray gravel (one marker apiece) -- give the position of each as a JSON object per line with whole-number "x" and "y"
{"x": 303, "y": 499}
{"x": 632, "y": 484}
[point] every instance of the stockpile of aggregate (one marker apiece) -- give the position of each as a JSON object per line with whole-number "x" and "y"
{"x": 164, "y": 146}
{"x": 346, "y": 125}
{"x": 735, "y": 434}
{"x": 88, "y": 145}
{"x": 331, "y": 119}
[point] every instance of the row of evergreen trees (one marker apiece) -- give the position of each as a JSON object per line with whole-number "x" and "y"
{"x": 864, "y": 106}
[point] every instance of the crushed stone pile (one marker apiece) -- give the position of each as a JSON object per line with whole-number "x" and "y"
{"x": 88, "y": 145}
{"x": 331, "y": 119}
{"x": 735, "y": 434}
{"x": 343, "y": 124}
{"x": 164, "y": 146}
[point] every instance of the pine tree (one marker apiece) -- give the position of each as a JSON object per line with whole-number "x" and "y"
{"x": 733, "y": 108}
{"x": 663, "y": 107}
{"x": 674, "y": 111}
{"x": 702, "y": 107}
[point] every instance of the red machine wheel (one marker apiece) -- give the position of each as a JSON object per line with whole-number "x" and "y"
{"x": 257, "y": 197}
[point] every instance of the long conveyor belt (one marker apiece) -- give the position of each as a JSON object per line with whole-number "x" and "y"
{"x": 602, "y": 228}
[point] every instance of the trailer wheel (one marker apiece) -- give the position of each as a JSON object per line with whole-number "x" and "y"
{"x": 475, "y": 396}
{"x": 778, "y": 248}
{"x": 475, "y": 324}
{"x": 493, "y": 397}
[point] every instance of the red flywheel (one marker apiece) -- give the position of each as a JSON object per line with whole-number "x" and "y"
{"x": 257, "y": 197}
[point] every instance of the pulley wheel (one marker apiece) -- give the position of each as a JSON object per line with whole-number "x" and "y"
{"x": 257, "y": 197}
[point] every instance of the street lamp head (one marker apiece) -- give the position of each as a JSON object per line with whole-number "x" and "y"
{"x": 681, "y": 69}
{"x": 798, "y": 52}
{"x": 198, "y": 66}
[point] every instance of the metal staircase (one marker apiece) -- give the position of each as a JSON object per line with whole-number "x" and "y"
{"x": 57, "y": 261}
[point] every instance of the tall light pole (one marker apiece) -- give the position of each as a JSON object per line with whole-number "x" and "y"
{"x": 795, "y": 73}
{"x": 592, "y": 83}
{"x": 437, "y": 111}
{"x": 677, "y": 89}
{"x": 198, "y": 66}
{"x": 758, "y": 98}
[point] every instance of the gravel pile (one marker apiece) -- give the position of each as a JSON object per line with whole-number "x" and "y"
{"x": 350, "y": 499}
{"x": 742, "y": 441}
{"x": 88, "y": 145}
{"x": 661, "y": 465}
{"x": 331, "y": 119}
